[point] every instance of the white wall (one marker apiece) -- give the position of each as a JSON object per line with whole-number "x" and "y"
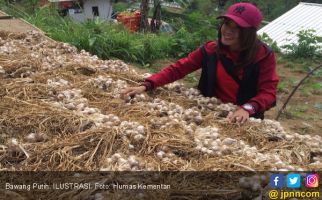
{"x": 104, "y": 9}
{"x": 80, "y": 17}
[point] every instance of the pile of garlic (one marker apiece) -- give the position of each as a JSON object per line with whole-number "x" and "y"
{"x": 267, "y": 158}
{"x": 132, "y": 133}
{"x": 171, "y": 114}
{"x": 227, "y": 107}
{"x": 314, "y": 142}
{"x": 114, "y": 66}
{"x": 34, "y": 36}
{"x": 57, "y": 82}
{"x": 160, "y": 122}
{"x": 119, "y": 86}
{"x": 207, "y": 140}
{"x": 192, "y": 93}
{"x": 65, "y": 48}
{"x": 108, "y": 121}
{"x": 157, "y": 104}
{"x": 161, "y": 108}
{"x": 137, "y": 98}
{"x": 192, "y": 115}
{"x": 73, "y": 100}
{"x": 175, "y": 87}
{"x": 166, "y": 155}
{"x": 204, "y": 103}
{"x": 101, "y": 82}
{"x": 8, "y": 48}
{"x": 121, "y": 162}
{"x": 273, "y": 128}
{"x": 69, "y": 95}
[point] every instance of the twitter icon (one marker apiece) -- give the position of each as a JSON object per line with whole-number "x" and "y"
{"x": 293, "y": 181}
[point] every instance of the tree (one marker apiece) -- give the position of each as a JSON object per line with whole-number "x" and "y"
{"x": 156, "y": 19}
{"x": 144, "y": 7}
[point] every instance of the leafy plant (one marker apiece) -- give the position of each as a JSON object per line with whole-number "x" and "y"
{"x": 265, "y": 38}
{"x": 281, "y": 86}
{"x": 308, "y": 45}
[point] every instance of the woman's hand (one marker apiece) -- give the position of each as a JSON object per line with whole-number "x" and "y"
{"x": 239, "y": 116}
{"x": 132, "y": 91}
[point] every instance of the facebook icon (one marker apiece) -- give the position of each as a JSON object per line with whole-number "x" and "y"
{"x": 276, "y": 181}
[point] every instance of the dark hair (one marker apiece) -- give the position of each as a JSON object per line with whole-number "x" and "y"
{"x": 249, "y": 44}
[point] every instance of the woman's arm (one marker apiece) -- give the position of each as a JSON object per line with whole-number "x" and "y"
{"x": 267, "y": 85}
{"x": 179, "y": 69}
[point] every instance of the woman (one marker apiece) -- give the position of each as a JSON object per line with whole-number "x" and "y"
{"x": 237, "y": 68}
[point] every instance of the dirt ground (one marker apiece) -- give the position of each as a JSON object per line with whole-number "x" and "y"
{"x": 15, "y": 25}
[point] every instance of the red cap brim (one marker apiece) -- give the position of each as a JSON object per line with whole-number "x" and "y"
{"x": 237, "y": 20}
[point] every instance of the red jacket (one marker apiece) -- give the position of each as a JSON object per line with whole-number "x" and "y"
{"x": 226, "y": 88}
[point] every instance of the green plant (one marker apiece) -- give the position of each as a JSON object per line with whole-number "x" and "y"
{"x": 281, "y": 86}
{"x": 265, "y": 38}
{"x": 120, "y": 7}
{"x": 289, "y": 65}
{"x": 307, "y": 45}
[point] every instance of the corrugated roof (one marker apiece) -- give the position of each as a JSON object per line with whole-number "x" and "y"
{"x": 302, "y": 17}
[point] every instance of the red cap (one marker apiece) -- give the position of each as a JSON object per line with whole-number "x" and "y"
{"x": 244, "y": 14}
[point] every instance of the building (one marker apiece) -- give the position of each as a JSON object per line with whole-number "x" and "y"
{"x": 82, "y": 10}
{"x": 304, "y": 16}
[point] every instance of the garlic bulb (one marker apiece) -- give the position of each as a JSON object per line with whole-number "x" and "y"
{"x": 36, "y": 137}
{"x": 57, "y": 82}
{"x": 120, "y": 162}
{"x": 2, "y": 71}
{"x": 101, "y": 82}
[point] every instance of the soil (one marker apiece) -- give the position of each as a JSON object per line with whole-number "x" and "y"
{"x": 15, "y": 25}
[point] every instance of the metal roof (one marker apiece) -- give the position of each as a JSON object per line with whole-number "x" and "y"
{"x": 302, "y": 17}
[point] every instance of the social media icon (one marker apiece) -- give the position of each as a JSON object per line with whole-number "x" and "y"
{"x": 311, "y": 180}
{"x": 276, "y": 180}
{"x": 293, "y": 180}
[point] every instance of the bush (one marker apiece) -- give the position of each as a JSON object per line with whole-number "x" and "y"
{"x": 265, "y": 38}
{"x": 308, "y": 45}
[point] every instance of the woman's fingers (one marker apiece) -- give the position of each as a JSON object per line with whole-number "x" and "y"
{"x": 132, "y": 91}
{"x": 244, "y": 120}
{"x": 230, "y": 116}
{"x": 125, "y": 92}
{"x": 239, "y": 116}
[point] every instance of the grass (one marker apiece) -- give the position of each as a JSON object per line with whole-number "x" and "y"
{"x": 281, "y": 86}
{"x": 298, "y": 110}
